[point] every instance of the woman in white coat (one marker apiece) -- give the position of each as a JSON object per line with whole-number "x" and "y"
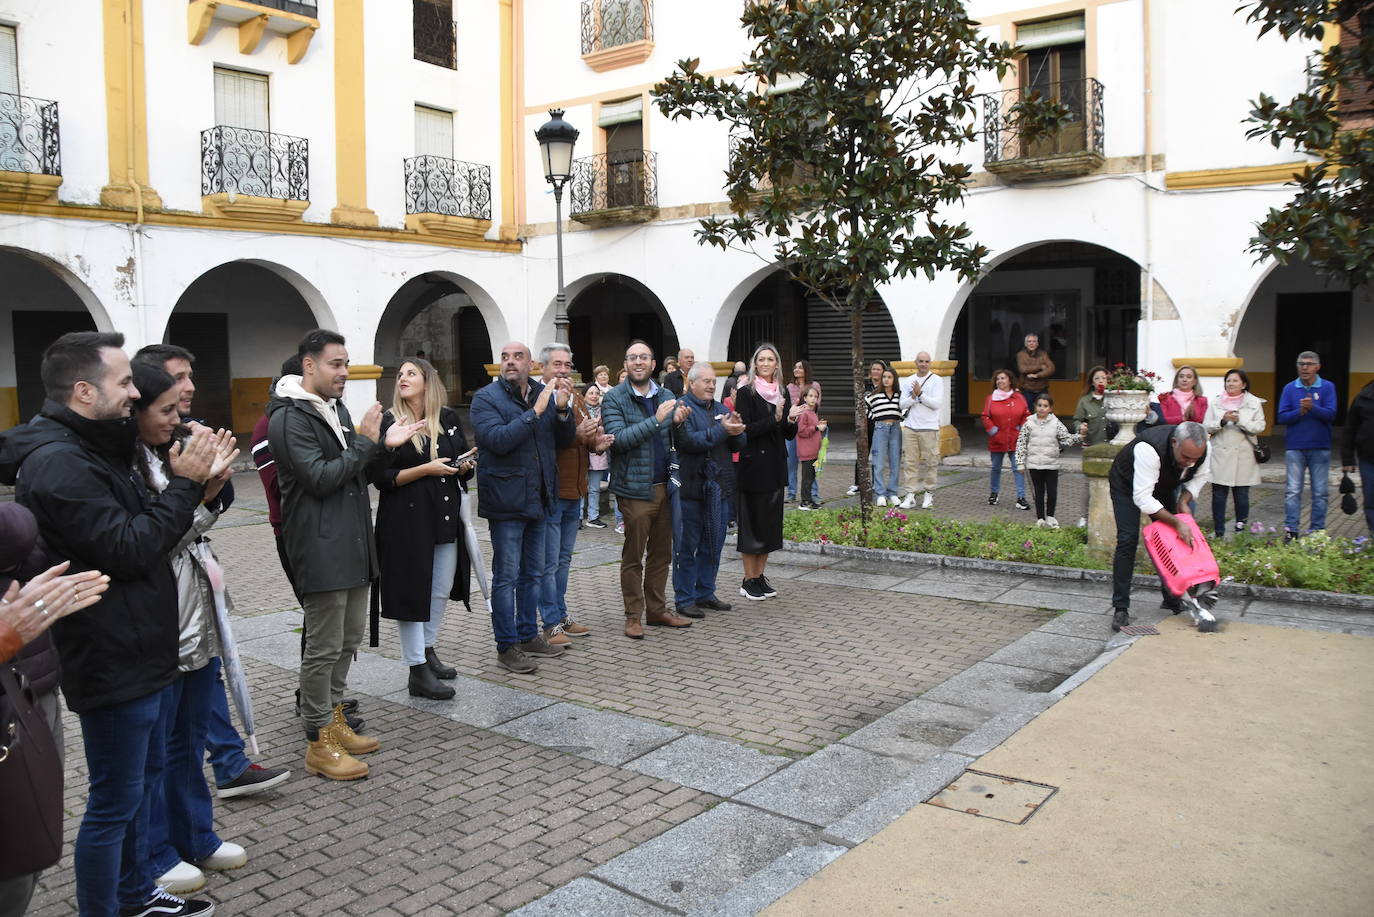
{"x": 1234, "y": 420}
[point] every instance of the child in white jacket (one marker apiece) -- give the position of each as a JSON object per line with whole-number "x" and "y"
{"x": 1041, "y": 440}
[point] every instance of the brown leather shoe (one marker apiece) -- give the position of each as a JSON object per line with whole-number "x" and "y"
{"x": 668, "y": 619}
{"x": 573, "y": 629}
{"x": 634, "y": 629}
{"x": 324, "y": 757}
{"x": 347, "y": 739}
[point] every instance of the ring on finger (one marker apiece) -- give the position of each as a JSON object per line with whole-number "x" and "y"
{"x": 38, "y": 605}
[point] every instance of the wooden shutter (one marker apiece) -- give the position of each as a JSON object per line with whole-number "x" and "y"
{"x": 1355, "y": 104}
{"x": 9, "y": 60}
{"x": 433, "y": 132}
{"x": 241, "y": 99}
{"x": 829, "y": 353}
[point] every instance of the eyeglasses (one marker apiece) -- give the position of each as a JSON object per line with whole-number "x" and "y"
{"x": 638, "y": 357}
{"x": 1308, "y": 363}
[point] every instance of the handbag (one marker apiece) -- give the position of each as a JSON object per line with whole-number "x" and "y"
{"x": 1260, "y": 448}
{"x": 30, "y": 783}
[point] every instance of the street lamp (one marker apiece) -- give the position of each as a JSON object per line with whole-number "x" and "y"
{"x": 556, "y": 139}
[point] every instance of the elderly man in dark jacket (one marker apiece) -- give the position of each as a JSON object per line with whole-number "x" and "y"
{"x": 638, "y": 413}
{"x": 71, "y": 466}
{"x": 322, "y": 469}
{"x": 519, "y": 426}
{"x": 707, "y": 475}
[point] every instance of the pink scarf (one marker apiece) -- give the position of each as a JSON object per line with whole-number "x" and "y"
{"x": 768, "y": 391}
{"x": 1232, "y": 403}
{"x": 1183, "y": 400}
{"x": 999, "y": 395}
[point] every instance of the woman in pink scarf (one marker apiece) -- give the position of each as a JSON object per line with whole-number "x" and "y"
{"x": 770, "y": 420}
{"x": 1234, "y": 420}
{"x": 1186, "y": 401}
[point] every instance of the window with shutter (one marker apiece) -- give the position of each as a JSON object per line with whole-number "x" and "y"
{"x": 9, "y": 60}
{"x": 241, "y": 99}
{"x": 1355, "y": 103}
{"x": 1053, "y": 66}
{"x": 433, "y": 132}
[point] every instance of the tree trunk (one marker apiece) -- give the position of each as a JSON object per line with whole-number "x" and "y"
{"x": 861, "y": 448}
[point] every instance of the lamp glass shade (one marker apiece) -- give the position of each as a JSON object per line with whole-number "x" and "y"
{"x": 556, "y": 139}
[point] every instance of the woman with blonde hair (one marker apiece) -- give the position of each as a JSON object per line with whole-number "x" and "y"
{"x": 420, "y": 547}
{"x": 770, "y": 420}
{"x": 1185, "y": 401}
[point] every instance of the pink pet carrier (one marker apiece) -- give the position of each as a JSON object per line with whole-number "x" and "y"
{"x": 1190, "y": 574}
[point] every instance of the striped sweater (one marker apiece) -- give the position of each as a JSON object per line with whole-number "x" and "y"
{"x": 883, "y": 407}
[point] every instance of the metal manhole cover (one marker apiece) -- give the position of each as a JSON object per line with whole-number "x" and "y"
{"x": 994, "y": 796}
{"x": 1140, "y": 630}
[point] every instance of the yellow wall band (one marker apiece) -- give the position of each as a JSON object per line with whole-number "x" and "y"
{"x": 350, "y": 116}
{"x": 1232, "y": 178}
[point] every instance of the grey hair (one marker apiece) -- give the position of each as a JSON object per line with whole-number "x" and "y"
{"x": 1310, "y": 355}
{"x": 547, "y": 351}
{"x": 697, "y": 369}
{"x": 1191, "y": 431}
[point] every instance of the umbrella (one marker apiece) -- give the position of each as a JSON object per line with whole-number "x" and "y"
{"x": 234, "y": 675}
{"x": 820, "y": 456}
{"x": 470, "y": 540}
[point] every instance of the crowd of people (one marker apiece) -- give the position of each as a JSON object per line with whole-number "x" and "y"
{"x": 117, "y": 487}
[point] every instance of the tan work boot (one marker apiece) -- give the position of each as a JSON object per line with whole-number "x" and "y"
{"x": 633, "y": 628}
{"x": 324, "y": 757}
{"x": 349, "y": 740}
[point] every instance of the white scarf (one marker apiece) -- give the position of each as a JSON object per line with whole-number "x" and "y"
{"x": 293, "y": 387}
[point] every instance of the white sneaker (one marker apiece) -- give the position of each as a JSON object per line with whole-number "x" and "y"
{"x": 1052, "y": 522}
{"x": 182, "y": 878}
{"x": 853, "y": 489}
{"x": 1040, "y": 523}
{"x": 1082, "y": 522}
{"x": 928, "y": 501}
{"x": 881, "y": 501}
{"x": 228, "y": 856}
{"x": 908, "y": 502}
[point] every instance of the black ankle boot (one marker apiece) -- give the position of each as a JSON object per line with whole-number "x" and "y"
{"x": 1120, "y": 618}
{"x": 438, "y": 668}
{"x": 424, "y": 684}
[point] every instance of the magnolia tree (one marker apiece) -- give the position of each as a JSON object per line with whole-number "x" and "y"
{"x": 1330, "y": 222}
{"x": 847, "y": 123}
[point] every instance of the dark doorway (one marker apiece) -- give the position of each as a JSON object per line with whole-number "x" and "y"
{"x": 1318, "y": 322}
{"x": 206, "y": 335}
{"x": 33, "y": 332}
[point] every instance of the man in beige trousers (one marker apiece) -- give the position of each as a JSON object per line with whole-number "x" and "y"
{"x": 922, "y": 397}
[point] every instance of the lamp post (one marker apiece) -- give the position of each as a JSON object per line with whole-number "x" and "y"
{"x": 556, "y": 139}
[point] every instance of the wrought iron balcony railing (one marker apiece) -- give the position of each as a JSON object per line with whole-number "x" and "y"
{"x": 435, "y": 184}
{"x": 240, "y": 160}
{"x": 1081, "y": 133}
{"x": 610, "y": 181}
{"x": 302, "y": 7}
{"x": 610, "y": 23}
{"x": 28, "y": 135}
{"x": 436, "y": 34}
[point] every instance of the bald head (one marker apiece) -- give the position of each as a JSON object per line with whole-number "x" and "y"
{"x": 515, "y": 363}
{"x": 923, "y": 362}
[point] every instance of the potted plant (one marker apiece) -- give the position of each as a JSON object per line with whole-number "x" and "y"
{"x": 1127, "y": 399}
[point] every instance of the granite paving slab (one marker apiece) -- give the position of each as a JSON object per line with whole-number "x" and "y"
{"x": 611, "y": 738}
{"x": 1324, "y": 614}
{"x": 376, "y": 675}
{"x": 827, "y": 785}
{"x": 915, "y": 788}
{"x": 279, "y": 649}
{"x": 713, "y": 765}
{"x": 978, "y": 577}
{"x": 585, "y": 897}
{"x": 1003, "y": 725}
{"x": 693, "y": 864}
{"x": 853, "y": 580}
{"x": 1080, "y": 624}
{"x": 477, "y": 703}
{"x": 991, "y": 686}
{"x": 267, "y": 625}
{"x": 933, "y": 584}
{"x": 772, "y": 882}
{"x": 1047, "y": 652}
{"x": 1058, "y": 601}
{"x": 917, "y": 730}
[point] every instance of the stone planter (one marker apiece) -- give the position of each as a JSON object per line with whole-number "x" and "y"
{"x": 1126, "y": 408}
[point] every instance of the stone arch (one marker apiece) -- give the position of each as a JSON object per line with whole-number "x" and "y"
{"x": 616, "y": 326}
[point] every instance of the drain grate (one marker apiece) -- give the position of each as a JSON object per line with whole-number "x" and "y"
{"x": 1140, "y": 630}
{"x": 994, "y": 796}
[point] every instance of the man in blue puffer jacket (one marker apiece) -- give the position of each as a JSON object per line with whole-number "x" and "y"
{"x": 519, "y": 425}
{"x": 639, "y": 415}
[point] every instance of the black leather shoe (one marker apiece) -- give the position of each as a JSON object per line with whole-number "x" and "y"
{"x": 424, "y": 684}
{"x": 691, "y": 611}
{"x": 446, "y": 672}
{"x": 714, "y": 604}
{"x": 1120, "y": 618}
{"x": 1173, "y": 606}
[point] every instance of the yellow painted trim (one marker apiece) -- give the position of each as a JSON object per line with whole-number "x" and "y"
{"x": 9, "y": 407}
{"x": 298, "y": 42}
{"x": 251, "y": 32}
{"x": 252, "y": 207}
{"x": 126, "y": 107}
{"x": 1047, "y": 11}
{"x": 1231, "y": 178}
{"x": 1209, "y": 366}
{"x": 199, "y": 15}
{"x": 29, "y": 186}
{"x": 350, "y": 116}
{"x": 511, "y": 130}
{"x": 364, "y": 372}
{"x": 627, "y": 55}
{"x": 624, "y": 92}
{"x": 186, "y": 219}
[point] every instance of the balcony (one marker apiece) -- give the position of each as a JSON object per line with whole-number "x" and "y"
{"x": 295, "y": 20}
{"x": 448, "y": 197}
{"x": 30, "y": 149}
{"x": 614, "y": 188}
{"x": 617, "y": 33}
{"x": 254, "y": 175}
{"x": 436, "y": 34}
{"x": 1074, "y": 148}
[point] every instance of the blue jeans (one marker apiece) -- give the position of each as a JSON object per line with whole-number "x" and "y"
{"x": 594, "y": 478}
{"x": 559, "y": 539}
{"x": 697, "y": 561}
{"x": 1020, "y": 478}
{"x": 417, "y": 635}
{"x": 222, "y": 741}
{"x": 886, "y": 458}
{"x": 517, "y": 565}
{"x": 125, "y": 747}
{"x": 1367, "y": 486}
{"x": 1316, "y": 462}
{"x": 181, "y": 818}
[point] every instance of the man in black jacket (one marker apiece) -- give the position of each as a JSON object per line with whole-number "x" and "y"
{"x": 72, "y": 467}
{"x": 1357, "y": 445}
{"x": 322, "y": 469}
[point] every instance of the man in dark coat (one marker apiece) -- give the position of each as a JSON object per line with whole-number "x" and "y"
{"x": 676, "y": 381}
{"x": 704, "y": 443}
{"x": 72, "y": 467}
{"x": 322, "y": 469}
{"x": 1358, "y": 446}
{"x": 519, "y": 425}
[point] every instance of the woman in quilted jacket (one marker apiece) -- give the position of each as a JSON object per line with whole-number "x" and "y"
{"x": 1004, "y": 411}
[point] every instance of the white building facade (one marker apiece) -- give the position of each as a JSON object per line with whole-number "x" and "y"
{"x": 230, "y": 173}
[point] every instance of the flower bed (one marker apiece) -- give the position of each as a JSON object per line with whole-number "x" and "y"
{"x": 1257, "y": 557}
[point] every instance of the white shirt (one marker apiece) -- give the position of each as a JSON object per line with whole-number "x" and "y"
{"x": 1147, "y": 467}
{"x": 923, "y": 410}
